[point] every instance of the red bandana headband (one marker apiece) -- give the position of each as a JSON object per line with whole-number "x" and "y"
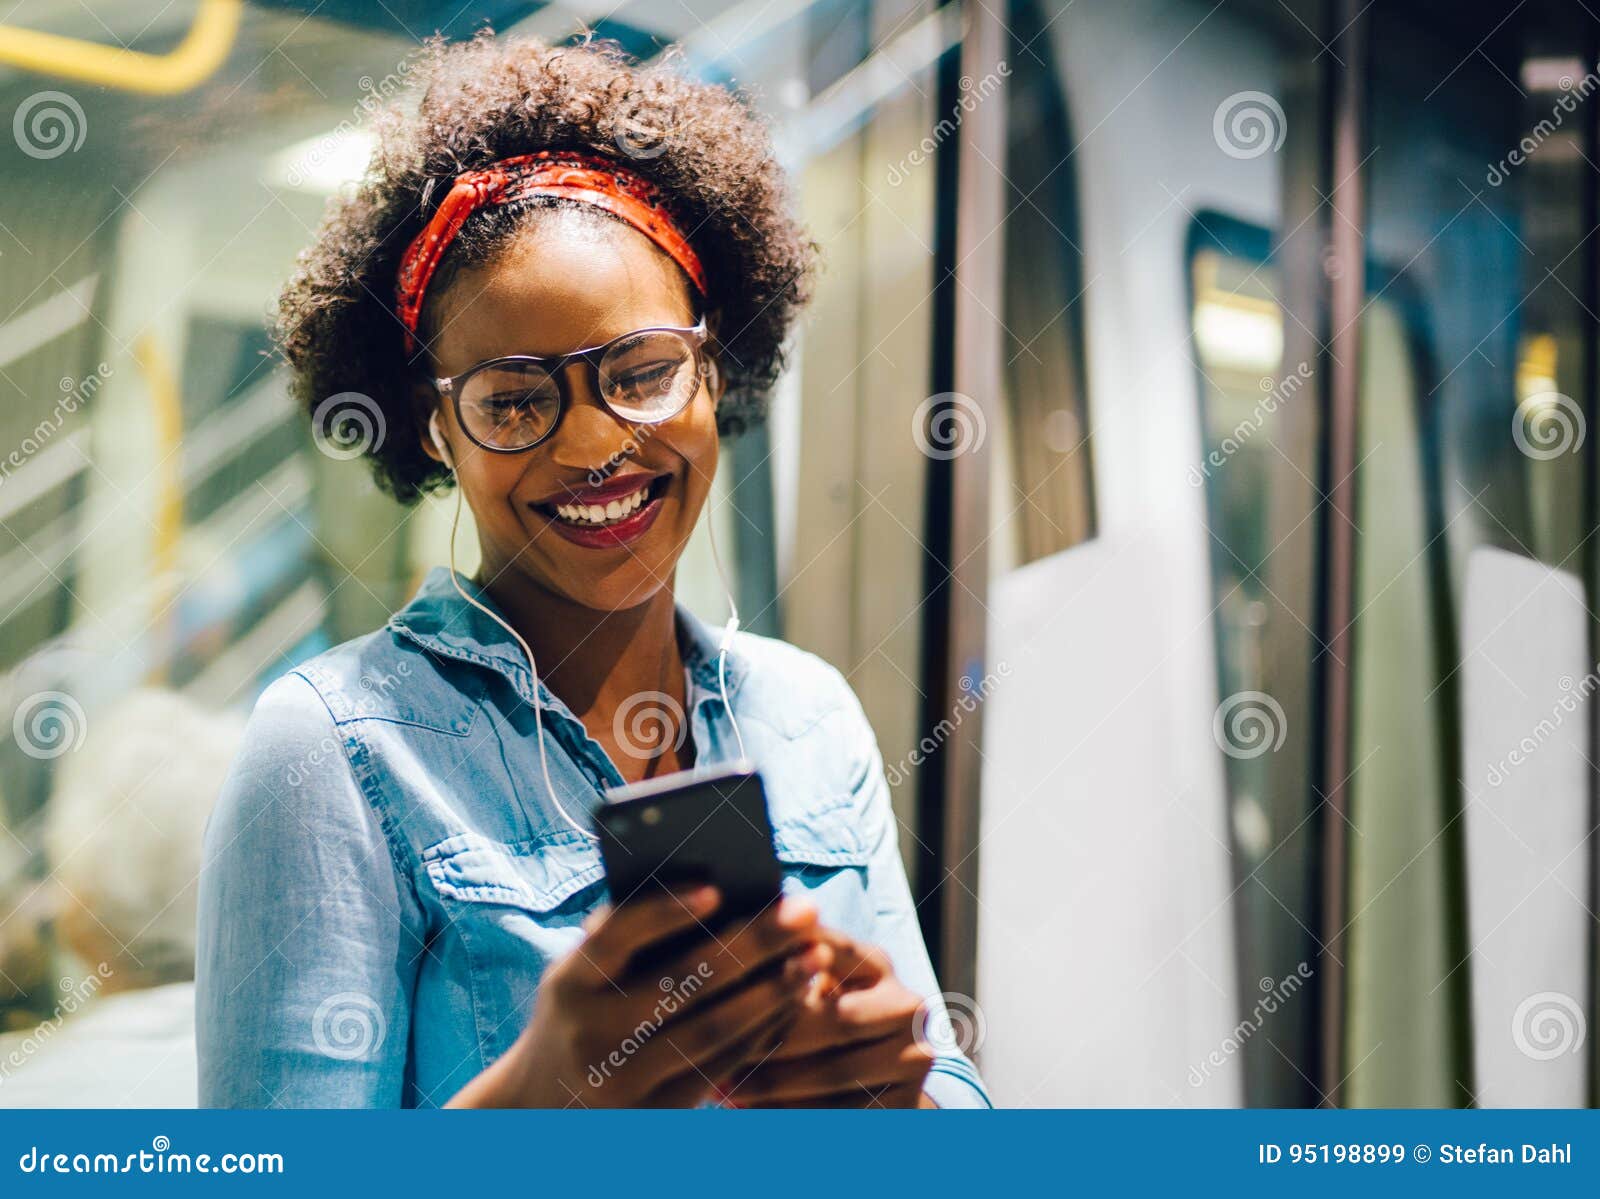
{"x": 571, "y": 174}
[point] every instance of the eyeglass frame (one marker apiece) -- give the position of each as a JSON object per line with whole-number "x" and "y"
{"x": 555, "y": 365}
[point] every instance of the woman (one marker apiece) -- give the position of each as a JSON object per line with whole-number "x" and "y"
{"x": 403, "y": 905}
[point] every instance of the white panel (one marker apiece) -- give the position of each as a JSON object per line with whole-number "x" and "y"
{"x": 1106, "y": 957}
{"x": 1105, "y": 939}
{"x": 1527, "y": 690}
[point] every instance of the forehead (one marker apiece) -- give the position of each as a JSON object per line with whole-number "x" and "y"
{"x": 567, "y": 280}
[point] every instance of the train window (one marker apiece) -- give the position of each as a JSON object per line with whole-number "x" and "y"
{"x": 1252, "y": 467}
{"x": 1044, "y": 474}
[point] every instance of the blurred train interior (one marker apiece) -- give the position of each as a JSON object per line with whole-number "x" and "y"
{"x": 1188, "y": 458}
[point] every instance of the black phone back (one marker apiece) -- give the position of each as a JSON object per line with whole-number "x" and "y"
{"x": 691, "y": 827}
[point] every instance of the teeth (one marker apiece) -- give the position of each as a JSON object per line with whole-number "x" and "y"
{"x": 596, "y": 514}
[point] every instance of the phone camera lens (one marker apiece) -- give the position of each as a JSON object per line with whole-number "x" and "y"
{"x": 651, "y": 815}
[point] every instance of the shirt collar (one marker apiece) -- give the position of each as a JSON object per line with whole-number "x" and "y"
{"x": 439, "y": 620}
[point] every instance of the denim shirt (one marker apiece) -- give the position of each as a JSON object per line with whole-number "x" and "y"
{"x": 386, "y": 878}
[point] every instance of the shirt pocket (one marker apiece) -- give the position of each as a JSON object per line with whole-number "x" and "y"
{"x": 540, "y": 876}
{"x": 506, "y": 912}
{"x": 824, "y": 856}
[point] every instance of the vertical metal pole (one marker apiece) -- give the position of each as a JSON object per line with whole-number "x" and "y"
{"x": 975, "y": 377}
{"x": 1348, "y": 294}
{"x": 1590, "y": 47}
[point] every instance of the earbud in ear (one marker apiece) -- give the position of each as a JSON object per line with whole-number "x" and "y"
{"x": 438, "y": 440}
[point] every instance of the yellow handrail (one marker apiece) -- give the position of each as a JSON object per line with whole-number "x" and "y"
{"x": 204, "y": 48}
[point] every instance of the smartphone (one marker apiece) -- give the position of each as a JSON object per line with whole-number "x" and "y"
{"x": 692, "y": 827}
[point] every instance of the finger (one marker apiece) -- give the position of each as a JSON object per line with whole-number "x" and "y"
{"x": 733, "y": 1025}
{"x": 868, "y": 1067}
{"x": 687, "y": 1090}
{"x": 620, "y": 932}
{"x": 838, "y": 1019}
{"x": 858, "y": 1098}
{"x": 906, "y": 1095}
{"x": 744, "y": 952}
{"x": 857, "y": 965}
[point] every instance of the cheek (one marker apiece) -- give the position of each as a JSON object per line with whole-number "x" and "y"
{"x": 490, "y": 481}
{"x": 693, "y": 437}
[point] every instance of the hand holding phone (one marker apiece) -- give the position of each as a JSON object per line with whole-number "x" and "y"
{"x": 698, "y": 826}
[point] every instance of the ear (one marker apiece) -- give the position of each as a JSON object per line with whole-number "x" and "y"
{"x": 425, "y": 402}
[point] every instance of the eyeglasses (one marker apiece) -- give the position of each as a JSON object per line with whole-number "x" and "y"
{"x": 511, "y": 404}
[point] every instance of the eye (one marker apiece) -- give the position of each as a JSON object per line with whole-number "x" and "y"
{"x": 647, "y": 375}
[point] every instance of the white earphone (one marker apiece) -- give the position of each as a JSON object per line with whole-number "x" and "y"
{"x": 538, "y": 718}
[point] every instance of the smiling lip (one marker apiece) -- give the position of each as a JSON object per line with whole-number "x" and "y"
{"x": 614, "y": 533}
{"x": 612, "y": 489}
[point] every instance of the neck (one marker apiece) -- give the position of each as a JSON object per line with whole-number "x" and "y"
{"x": 594, "y": 660}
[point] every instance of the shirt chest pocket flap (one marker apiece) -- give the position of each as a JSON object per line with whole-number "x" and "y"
{"x": 540, "y": 876}
{"x": 544, "y": 875}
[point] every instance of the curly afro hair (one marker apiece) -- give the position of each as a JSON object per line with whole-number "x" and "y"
{"x": 490, "y": 98}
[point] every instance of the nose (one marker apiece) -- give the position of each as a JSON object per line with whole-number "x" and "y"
{"x": 589, "y": 434}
